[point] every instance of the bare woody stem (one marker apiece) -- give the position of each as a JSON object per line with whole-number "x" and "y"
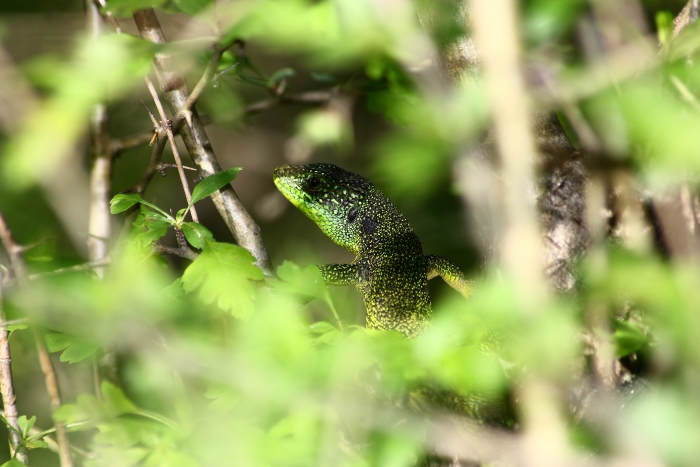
{"x": 16, "y": 251}
{"x": 7, "y": 387}
{"x": 242, "y": 226}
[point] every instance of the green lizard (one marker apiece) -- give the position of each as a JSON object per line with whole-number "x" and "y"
{"x": 389, "y": 270}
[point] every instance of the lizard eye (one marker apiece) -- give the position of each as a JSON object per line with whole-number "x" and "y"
{"x": 352, "y": 214}
{"x": 313, "y": 184}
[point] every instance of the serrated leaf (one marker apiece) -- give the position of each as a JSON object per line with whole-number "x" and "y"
{"x": 223, "y": 272}
{"x": 122, "y": 202}
{"x": 191, "y": 7}
{"x": 196, "y": 234}
{"x": 305, "y": 281}
{"x": 213, "y": 183}
{"x": 25, "y": 424}
{"x": 76, "y": 349}
{"x": 149, "y": 226}
{"x": 281, "y": 74}
{"x": 628, "y": 338}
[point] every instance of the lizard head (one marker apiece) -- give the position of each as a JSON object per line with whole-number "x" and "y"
{"x": 329, "y": 196}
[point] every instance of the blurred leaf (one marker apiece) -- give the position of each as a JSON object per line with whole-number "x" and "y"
{"x": 196, "y": 234}
{"x": 76, "y": 349}
{"x": 192, "y": 7}
{"x": 121, "y": 203}
{"x": 628, "y": 338}
{"x": 13, "y": 463}
{"x": 25, "y": 424}
{"x": 281, "y": 74}
{"x": 213, "y": 183}
{"x": 149, "y": 226}
{"x": 664, "y": 28}
{"x": 223, "y": 272}
{"x": 323, "y": 78}
{"x": 36, "y": 444}
{"x": 128, "y": 7}
{"x": 115, "y": 399}
{"x": 105, "y": 67}
{"x": 326, "y": 126}
{"x": 16, "y": 327}
{"x": 305, "y": 281}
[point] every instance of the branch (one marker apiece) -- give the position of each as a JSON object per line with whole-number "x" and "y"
{"x": 7, "y": 387}
{"x": 310, "y": 97}
{"x": 168, "y": 124}
{"x": 186, "y": 110}
{"x": 183, "y": 250}
{"x": 15, "y": 251}
{"x": 242, "y": 226}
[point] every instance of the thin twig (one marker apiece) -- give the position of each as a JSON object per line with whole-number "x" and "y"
{"x": 183, "y": 250}
{"x": 110, "y": 16}
{"x": 244, "y": 229}
{"x": 7, "y": 387}
{"x": 311, "y": 98}
{"x": 20, "y": 270}
{"x": 209, "y": 72}
{"x": 153, "y": 164}
{"x": 173, "y": 145}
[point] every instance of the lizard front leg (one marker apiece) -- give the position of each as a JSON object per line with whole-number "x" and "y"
{"x": 450, "y": 273}
{"x": 340, "y": 274}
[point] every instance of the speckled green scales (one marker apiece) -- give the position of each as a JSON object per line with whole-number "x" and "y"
{"x": 389, "y": 270}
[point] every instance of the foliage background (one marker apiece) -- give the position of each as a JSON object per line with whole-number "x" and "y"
{"x": 199, "y": 384}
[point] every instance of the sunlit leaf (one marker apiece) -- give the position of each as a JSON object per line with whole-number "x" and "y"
{"x": 196, "y": 234}
{"x": 213, "y": 183}
{"x": 76, "y": 349}
{"x": 222, "y": 273}
{"x": 121, "y": 203}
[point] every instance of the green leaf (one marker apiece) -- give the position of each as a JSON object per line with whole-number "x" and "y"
{"x": 128, "y": 7}
{"x": 196, "y": 234}
{"x": 36, "y": 444}
{"x": 664, "y": 27}
{"x": 16, "y": 327}
{"x": 149, "y": 226}
{"x": 305, "y": 281}
{"x": 222, "y": 273}
{"x": 213, "y": 183}
{"x": 25, "y": 424}
{"x": 115, "y": 399}
{"x": 628, "y": 338}
{"x": 13, "y": 463}
{"x": 121, "y": 203}
{"x": 76, "y": 349}
{"x": 192, "y": 7}
{"x": 281, "y": 74}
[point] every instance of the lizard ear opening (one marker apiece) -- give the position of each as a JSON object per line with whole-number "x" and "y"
{"x": 352, "y": 214}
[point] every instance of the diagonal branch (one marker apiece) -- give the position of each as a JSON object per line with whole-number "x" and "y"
{"x": 242, "y": 226}
{"x": 171, "y": 137}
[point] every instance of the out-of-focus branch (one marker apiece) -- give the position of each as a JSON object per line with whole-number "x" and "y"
{"x": 209, "y": 73}
{"x": 309, "y": 97}
{"x": 242, "y": 226}
{"x": 497, "y": 35}
{"x": 16, "y": 257}
{"x": 167, "y": 124}
{"x": 7, "y": 388}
